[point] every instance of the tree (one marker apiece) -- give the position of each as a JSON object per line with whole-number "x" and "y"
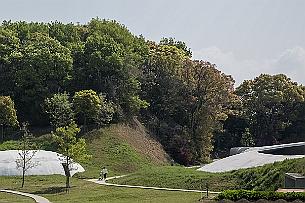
{"x": 106, "y": 112}
{"x": 44, "y": 68}
{"x": 8, "y": 116}
{"x": 26, "y": 154}
{"x": 247, "y": 139}
{"x": 72, "y": 148}
{"x": 9, "y": 51}
{"x": 113, "y": 59}
{"x": 270, "y": 105}
{"x": 179, "y": 44}
{"x": 59, "y": 109}
{"x": 87, "y": 105}
{"x": 210, "y": 93}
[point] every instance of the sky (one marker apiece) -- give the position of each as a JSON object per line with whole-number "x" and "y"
{"x": 244, "y": 38}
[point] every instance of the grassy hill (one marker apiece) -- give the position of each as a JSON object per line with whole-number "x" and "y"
{"x": 122, "y": 149}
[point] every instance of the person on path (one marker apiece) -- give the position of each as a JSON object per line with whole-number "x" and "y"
{"x": 103, "y": 174}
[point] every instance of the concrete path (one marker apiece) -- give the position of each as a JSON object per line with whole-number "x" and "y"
{"x": 36, "y": 198}
{"x": 103, "y": 182}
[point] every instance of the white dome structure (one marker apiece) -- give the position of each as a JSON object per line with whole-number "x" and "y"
{"x": 248, "y": 157}
{"x": 46, "y": 163}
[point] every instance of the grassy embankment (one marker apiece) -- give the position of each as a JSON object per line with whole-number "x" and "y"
{"x": 269, "y": 177}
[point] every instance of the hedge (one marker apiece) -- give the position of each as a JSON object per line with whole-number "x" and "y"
{"x": 252, "y": 195}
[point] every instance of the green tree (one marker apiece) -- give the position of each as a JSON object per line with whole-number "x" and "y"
{"x": 270, "y": 104}
{"x": 59, "y": 109}
{"x": 210, "y": 94}
{"x": 9, "y": 51}
{"x": 43, "y": 69}
{"x": 106, "y": 112}
{"x": 179, "y": 44}
{"x": 247, "y": 139}
{"x": 114, "y": 57}
{"x": 8, "y": 116}
{"x": 87, "y": 105}
{"x": 70, "y": 147}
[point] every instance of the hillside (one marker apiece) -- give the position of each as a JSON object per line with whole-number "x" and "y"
{"x": 269, "y": 177}
{"x": 122, "y": 149}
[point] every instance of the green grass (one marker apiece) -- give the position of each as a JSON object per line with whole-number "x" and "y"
{"x": 179, "y": 177}
{"x": 268, "y": 177}
{"x": 52, "y": 188}
{"x": 9, "y": 198}
{"x": 110, "y": 151}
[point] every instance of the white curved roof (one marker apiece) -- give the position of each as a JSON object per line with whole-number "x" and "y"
{"x": 253, "y": 157}
{"x": 47, "y": 163}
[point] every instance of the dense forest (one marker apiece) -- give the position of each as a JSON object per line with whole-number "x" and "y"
{"x": 52, "y": 74}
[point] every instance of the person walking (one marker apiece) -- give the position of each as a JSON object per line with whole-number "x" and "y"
{"x": 103, "y": 173}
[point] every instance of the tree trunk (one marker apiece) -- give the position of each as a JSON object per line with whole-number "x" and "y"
{"x": 67, "y": 183}
{"x": 67, "y": 175}
{"x": 2, "y": 134}
{"x": 23, "y": 170}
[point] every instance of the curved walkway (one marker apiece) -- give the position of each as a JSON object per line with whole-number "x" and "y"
{"x": 36, "y": 198}
{"x": 103, "y": 182}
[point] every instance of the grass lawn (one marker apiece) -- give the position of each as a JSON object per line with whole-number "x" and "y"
{"x": 9, "y": 198}
{"x": 268, "y": 177}
{"x": 179, "y": 177}
{"x": 51, "y": 187}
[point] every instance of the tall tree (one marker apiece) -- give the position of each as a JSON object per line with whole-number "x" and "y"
{"x": 9, "y": 51}
{"x": 210, "y": 93}
{"x": 59, "y": 109}
{"x": 87, "y": 106}
{"x": 270, "y": 105}
{"x": 70, "y": 147}
{"x": 43, "y": 69}
{"x": 8, "y": 116}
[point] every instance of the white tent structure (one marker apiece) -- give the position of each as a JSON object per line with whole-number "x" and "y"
{"x": 247, "y": 157}
{"x": 46, "y": 163}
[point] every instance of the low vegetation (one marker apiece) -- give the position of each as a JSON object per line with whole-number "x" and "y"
{"x": 268, "y": 177}
{"x": 235, "y": 195}
{"x": 179, "y": 177}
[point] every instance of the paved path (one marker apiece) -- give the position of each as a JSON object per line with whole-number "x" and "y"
{"x": 103, "y": 182}
{"x": 37, "y": 198}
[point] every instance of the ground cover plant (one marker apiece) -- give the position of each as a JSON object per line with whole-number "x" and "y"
{"x": 235, "y": 195}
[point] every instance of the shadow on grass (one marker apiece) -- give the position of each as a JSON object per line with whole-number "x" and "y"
{"x": 51, "y": 190}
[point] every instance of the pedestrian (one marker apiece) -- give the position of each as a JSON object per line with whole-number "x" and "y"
{"x": 104, "y": 173}
{"x": 101, "y": 175}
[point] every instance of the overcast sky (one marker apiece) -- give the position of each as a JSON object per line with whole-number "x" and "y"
{"x": 242, "y": 37}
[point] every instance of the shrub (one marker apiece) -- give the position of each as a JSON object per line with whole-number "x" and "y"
{"x": 252, "y": 195}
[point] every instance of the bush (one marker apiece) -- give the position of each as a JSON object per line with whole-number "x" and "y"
{"x": 10, "y": 145}
{"x": 252, "y": 195}
{"x": 46, "y": 142}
